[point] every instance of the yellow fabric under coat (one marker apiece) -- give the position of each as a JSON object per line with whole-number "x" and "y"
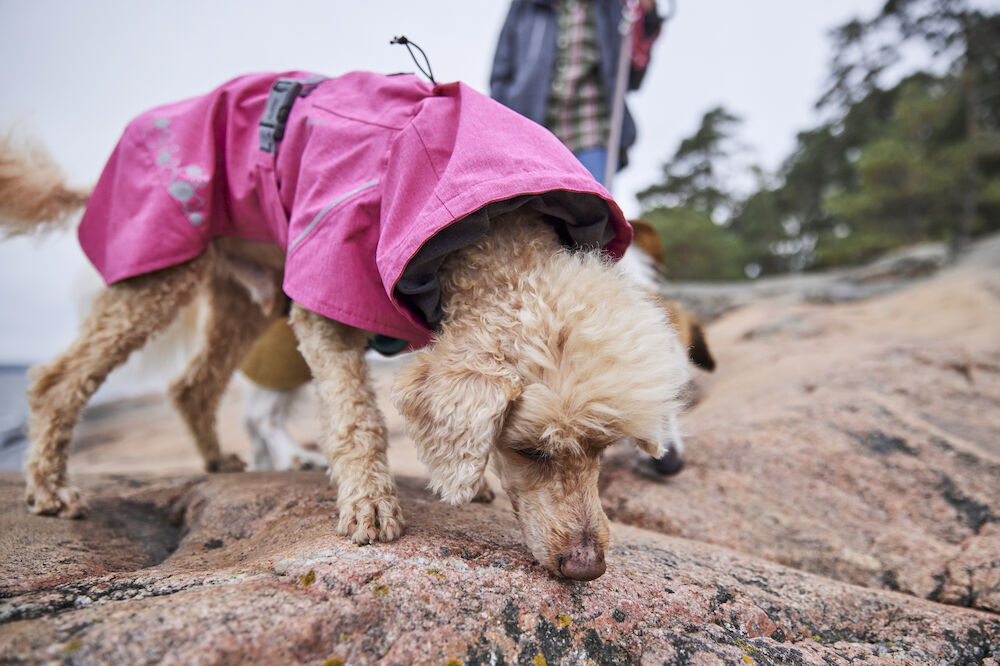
{"x": 274, "y": 361}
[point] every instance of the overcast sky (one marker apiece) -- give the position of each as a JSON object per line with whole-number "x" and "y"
{"x": 75, "y": 71}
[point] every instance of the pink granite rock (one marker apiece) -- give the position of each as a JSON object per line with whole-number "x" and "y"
{"x": 840, "y": 455}
{"x": 258, "y": 575}
{"x": 859, "y": 441}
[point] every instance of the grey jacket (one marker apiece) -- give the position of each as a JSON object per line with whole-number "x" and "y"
{"x": 522, "y": 67}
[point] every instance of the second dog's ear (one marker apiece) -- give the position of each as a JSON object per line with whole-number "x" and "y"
{"x": 454, "y": 406}
{"x": 698, "y": 351}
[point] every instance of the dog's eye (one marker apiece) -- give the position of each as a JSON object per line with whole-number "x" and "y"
{"x": 534, "y": 454}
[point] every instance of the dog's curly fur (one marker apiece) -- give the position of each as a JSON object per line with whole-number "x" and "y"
{"x": 546, "y": 357}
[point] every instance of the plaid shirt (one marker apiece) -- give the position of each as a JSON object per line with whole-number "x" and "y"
{"x": 577, "y": 111}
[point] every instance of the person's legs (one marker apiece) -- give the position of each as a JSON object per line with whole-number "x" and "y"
{"x": 594, "y": 159}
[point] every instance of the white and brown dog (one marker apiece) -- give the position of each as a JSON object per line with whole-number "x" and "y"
{"x": 538, "y": 352}
{"x": 643, "y": 263}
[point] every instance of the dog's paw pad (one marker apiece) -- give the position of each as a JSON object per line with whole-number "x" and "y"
{"x": 369, "y": 521}
{"x": 230, "y": 463}
{"x": 62, "y": 501}
{"x": 308, "y": 460}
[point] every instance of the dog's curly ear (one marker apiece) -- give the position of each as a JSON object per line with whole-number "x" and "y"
{"x": 454, "y": 407}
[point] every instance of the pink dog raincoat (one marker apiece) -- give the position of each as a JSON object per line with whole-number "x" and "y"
{"x": 376, "y": 180}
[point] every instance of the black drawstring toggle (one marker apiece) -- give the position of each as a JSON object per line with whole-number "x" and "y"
{"x": 407, "y": 43}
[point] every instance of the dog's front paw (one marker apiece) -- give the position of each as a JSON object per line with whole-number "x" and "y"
{"x": 59, "y": 500}
{"x": 371, "y": 519}
{"x": 230, "y": 463}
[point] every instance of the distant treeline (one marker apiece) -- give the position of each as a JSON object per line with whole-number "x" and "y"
{"x": 891, "y": 165}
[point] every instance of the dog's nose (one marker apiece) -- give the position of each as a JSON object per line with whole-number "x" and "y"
{"x": 585, "y": 561}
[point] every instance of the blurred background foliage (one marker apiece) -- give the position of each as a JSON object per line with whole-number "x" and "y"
{"x": 917, "y": 160}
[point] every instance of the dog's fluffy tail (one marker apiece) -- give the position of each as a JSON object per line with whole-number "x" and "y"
{"x": 34, "y": 196}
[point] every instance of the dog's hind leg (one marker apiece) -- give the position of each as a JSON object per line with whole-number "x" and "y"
{"x": 354, "y": 434}
{"x": 121, "y": 320}
{"x": 234, "y": 322}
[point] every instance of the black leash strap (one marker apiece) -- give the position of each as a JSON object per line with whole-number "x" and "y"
{"x": 407, "y": 43}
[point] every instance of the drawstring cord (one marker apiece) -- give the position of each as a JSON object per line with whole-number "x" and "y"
{"x": 407, "y": 43}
